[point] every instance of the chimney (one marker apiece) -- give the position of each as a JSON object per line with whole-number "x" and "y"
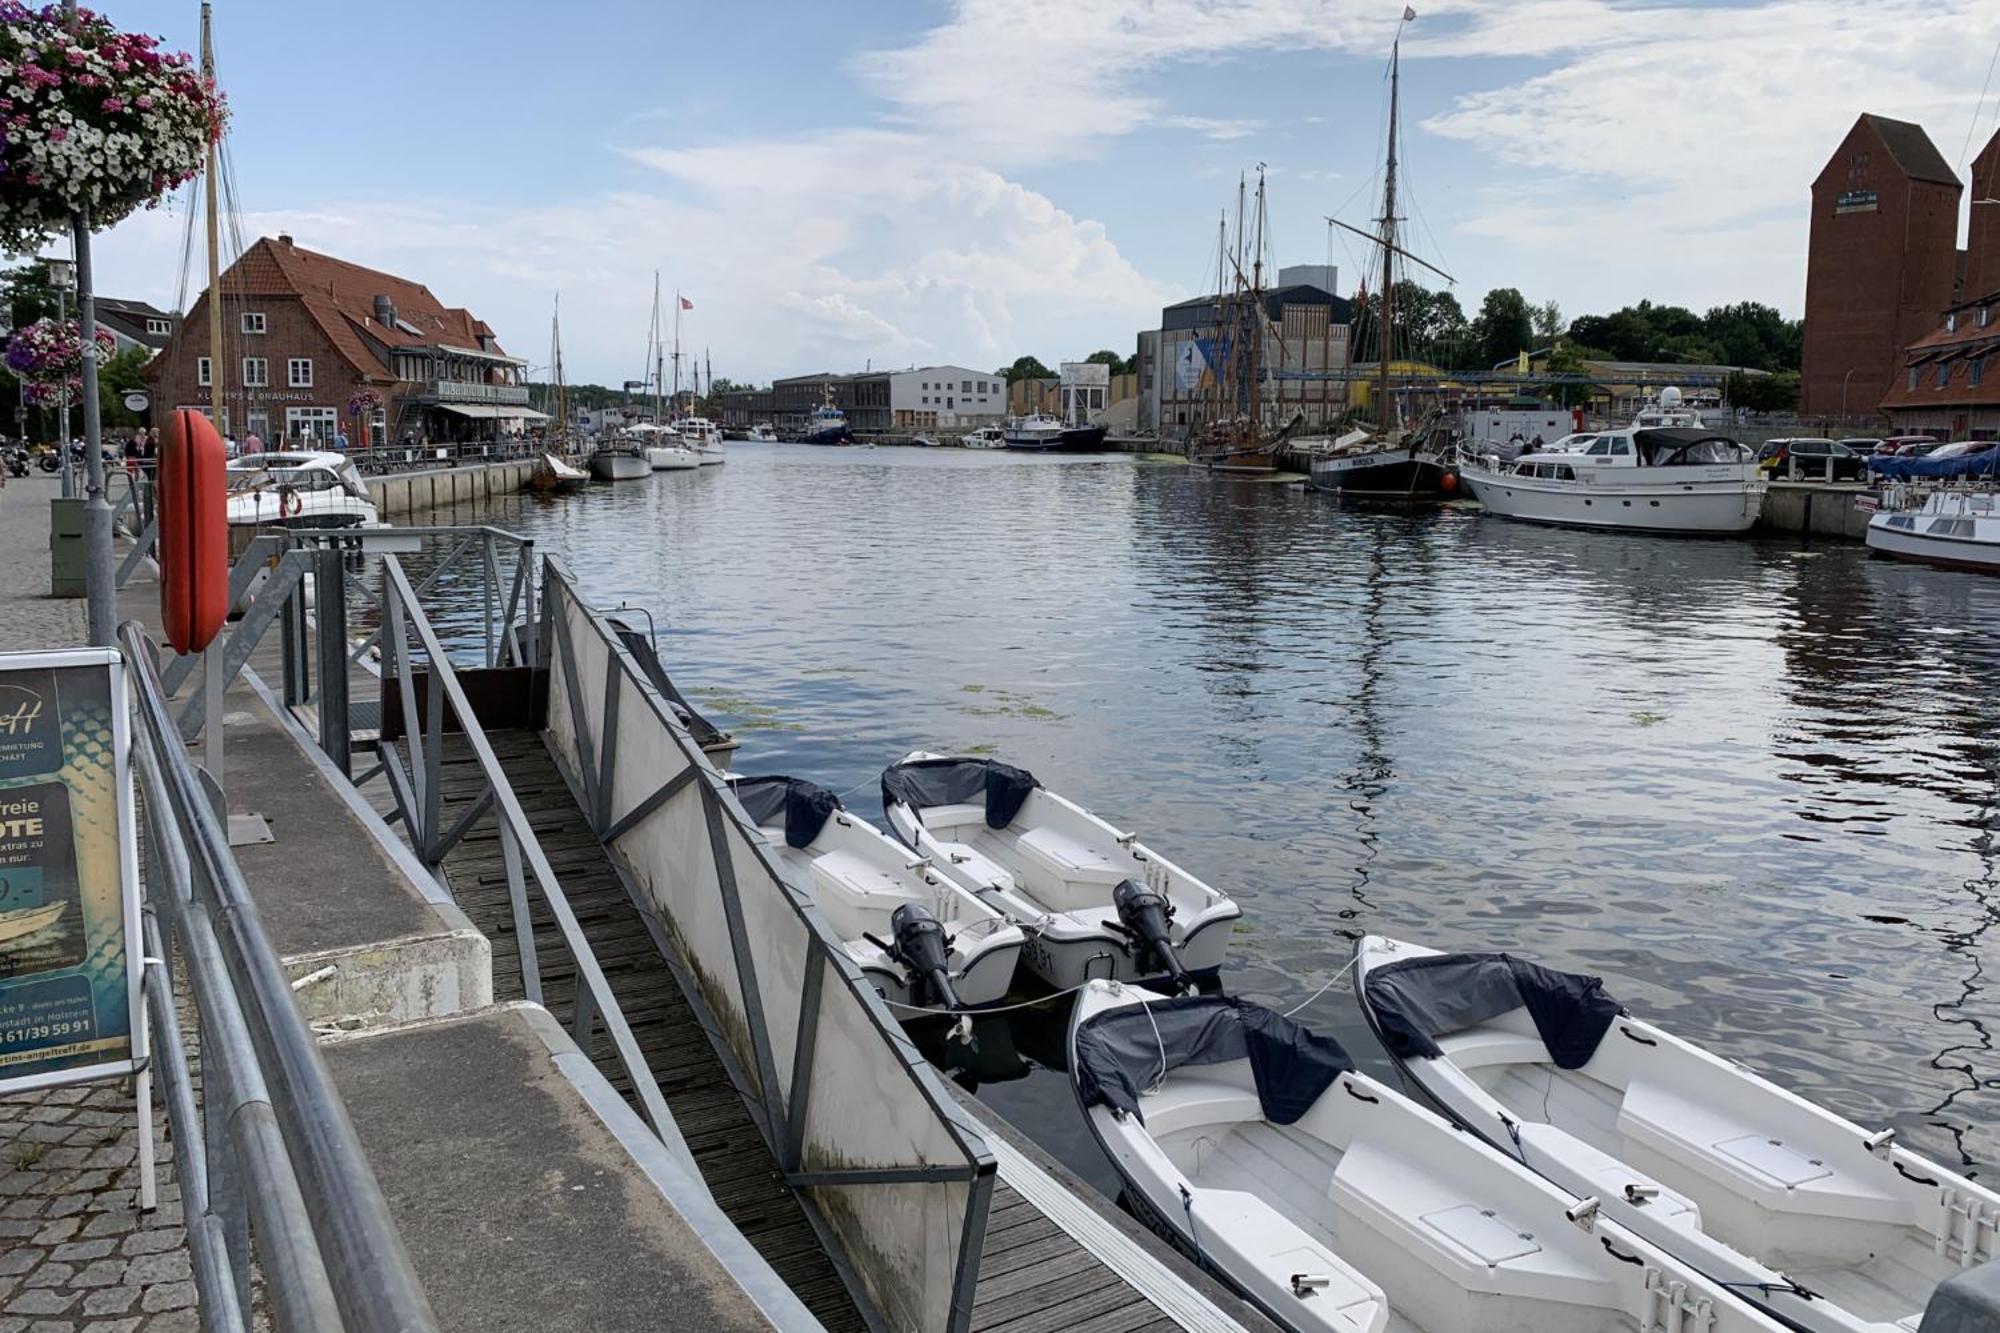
{"x": 285, "y": 239}
{"x": 385, "y": 312}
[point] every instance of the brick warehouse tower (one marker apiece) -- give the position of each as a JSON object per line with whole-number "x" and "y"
{"x": 1881, "y": 263}
{"x": 1982, "y": 245}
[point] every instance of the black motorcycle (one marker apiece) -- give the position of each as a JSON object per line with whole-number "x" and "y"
{"x": 17, "y": 460}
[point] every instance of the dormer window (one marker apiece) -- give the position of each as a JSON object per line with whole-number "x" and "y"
{"x": 1913, "y": 377}
{"x": 158, "y": 327}
{"x": 1944, "y": 374}
{"x": 1951, "y": 321}
{"x": 1985, "y": 315}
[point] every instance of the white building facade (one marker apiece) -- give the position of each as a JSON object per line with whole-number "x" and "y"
{"x": 945, "y": 397}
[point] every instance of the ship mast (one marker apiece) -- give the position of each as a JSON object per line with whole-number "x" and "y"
{"x": 215, "y": 375}
{"x": 1253, "y": 322}
{"x": 561, "y": 402}
{"x": 1384, "y": 412}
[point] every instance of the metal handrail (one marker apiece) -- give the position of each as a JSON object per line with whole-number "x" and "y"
{"x": 278, "y": 1161}
{"x": 415, "y": 781}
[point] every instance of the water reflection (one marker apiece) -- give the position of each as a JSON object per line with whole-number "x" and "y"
{"x": 1751, "y": 782}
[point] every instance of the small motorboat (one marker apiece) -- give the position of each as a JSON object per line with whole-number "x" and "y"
{"x": 665, "y": 451}
{"x": 298, "y": 489}
{"x": 621, "y": 458}
{"x": 26, "y": 922}
{"x": 1337, "y": 1205}
{"x": 920, "y": 939}
{"x": 1094, "y": 902}
{"x": 1951, "y": 529}
{"x": 762, "y": 433}
{"x": 986, "y": 437}
{"x": 703, "y": 439}
{"x": 555, "y": 475}
{"x": 1830, "y": 1227}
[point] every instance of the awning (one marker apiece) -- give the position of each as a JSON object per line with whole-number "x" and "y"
{"x": 492, "y": 411}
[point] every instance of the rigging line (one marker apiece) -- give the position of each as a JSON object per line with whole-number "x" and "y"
{"x": 1979, "y": 109}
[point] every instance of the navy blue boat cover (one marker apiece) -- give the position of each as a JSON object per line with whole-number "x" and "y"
{"x": 1985, "y": 463}
{"x": 641, "y": 648}
{"x": 806, "y": 805}
{"x": 1122, "y": 1051}
{"x": 1417, "y": 1000}
{"x": 922, "y": 783}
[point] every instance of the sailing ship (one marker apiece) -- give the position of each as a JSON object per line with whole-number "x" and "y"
{"x": 1396, "y": 461}
{"x": 667, "y": 448}
{"x": 555, "y": 472}
{"x": 1238, "y": 435}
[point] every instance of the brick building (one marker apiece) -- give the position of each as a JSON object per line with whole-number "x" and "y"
{"x": 1881, "y": 263}
{"x": 1949, "y": 385}
{"x": 305, "y": 333}
{"x": 1982, "y": 241}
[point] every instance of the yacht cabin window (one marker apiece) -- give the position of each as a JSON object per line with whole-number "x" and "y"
{"x": 1621, "y": 447}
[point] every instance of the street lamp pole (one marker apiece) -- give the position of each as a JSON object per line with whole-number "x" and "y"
{"x": 1843, "y": 392}
{"x": 99, "y": 582}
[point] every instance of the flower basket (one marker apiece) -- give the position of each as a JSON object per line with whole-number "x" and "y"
{"x": 48, "y": 357}
{"x": 363, "y": 403}
{"x": 95, "y": 119}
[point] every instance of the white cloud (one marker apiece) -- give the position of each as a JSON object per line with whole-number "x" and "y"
{"x": 1213, "y": 127}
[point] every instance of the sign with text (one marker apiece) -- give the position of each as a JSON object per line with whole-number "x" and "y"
{"x": 70, "y": 1006}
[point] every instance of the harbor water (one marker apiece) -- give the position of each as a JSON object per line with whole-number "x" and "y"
{"x": 1752, "y": 783}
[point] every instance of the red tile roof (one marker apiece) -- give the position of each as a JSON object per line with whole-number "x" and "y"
{"x": 340, "y": 296}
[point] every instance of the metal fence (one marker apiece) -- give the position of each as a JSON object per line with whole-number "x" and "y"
{"x": 272, "y": 1175}
{"x": 883, "y": 1157}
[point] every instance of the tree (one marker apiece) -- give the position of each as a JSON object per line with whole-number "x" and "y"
{"x": 1548, "y": 321}
{"x": 118, "y": 377}
{"x": 1026, "y": 368}
{"x": 1430, "y": 326}
{"x": 1504, "y": 327}
{"x": 1763, "y": 393}
{"x": 1567, "y": 359}
{"x": 1120, "y": 365}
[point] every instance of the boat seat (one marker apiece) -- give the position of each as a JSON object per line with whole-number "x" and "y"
{"x": 1485, "y": 1045}
{"x": 941, "y": 820}
{"x": 982, "y": 869}
{"x": 1186, "y": 1101}
{"x": 1422, "y": 1208}
{"x": 1608, "y": 1176}
{"x": 856, "y": 882}
{"x": 1072, "y": 860}
{"x": 1701, "y": 1132}
{"x": 1270, "y": 1242}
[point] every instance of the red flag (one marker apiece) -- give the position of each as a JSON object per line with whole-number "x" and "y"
{"x": 686, "y": 304}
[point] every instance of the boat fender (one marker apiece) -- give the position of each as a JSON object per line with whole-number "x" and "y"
{"x": 1584, "y": 1214}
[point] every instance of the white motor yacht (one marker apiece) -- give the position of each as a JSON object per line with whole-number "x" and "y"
{"x": 299, "y": 490}
{"x": 1094, "y": 902}
{"x": 986, "y": 437}
{"x": 918, "y": 937}
{"x": 1675, "y": 477}
{"x": 665, "y": 451}
{"x": 762, "y": 434}
{"x": 703, "y": 437}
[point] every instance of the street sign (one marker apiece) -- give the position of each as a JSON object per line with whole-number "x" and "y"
{"x": 70, "y": 999}
{"x": 137, "y": 401}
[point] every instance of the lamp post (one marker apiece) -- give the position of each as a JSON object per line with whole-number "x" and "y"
{"x": 99, "y": 583}
{"x": 1843, "y": 392}
{"x": 62, "y": 277}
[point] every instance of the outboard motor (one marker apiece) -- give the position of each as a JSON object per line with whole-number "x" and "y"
{"x": 924, "y": 950}
{"x": 1143, "y": 913}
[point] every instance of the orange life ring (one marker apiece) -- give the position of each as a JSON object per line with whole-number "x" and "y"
{"x": 290, "y": 503}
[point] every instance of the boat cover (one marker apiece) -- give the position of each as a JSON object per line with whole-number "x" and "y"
{"x": 1985, "y": 463}
{"x": 806, "y": 805}
{"x": 1122, "y": 1051}
{"x": 923, "y": 783}
{"x": 1417, "y": 1000}
{"x": 641, "y": 648}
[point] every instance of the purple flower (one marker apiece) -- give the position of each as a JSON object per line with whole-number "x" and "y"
{"x": 114, "y": 104}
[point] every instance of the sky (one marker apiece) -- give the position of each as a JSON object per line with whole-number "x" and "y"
{"x": 910, "y": 182}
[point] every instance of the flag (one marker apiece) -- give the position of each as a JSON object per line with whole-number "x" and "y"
{"x": 1409, "y": 14}
{"x": 1521, "y": 364}
{"x": 686, "y": 304}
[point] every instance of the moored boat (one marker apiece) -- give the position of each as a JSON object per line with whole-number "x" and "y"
{"x": 1038, "y": 431}
{"x": 762, "y": 434}
{"x": 1949, "y": 529}
{"x": 1831, "y": 1227}
{"x": 920, "y": 939}
{"x": 1094, "y": 902}
{"x": 1333, "y": 1202}
{"x": 555, "y": 475}
{"x": 699, "y": 436}
{"x": 620, "y": 458}
{"x": 320, "y": 489}
{"x": 827, "y": 424}
{"x": 664, "y": 450}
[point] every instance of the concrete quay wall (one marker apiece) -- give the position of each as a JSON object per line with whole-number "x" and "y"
{"x": 399, "y": 493}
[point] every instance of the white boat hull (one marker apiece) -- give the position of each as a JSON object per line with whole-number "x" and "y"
{"x": 1693, "y": 505}
{"x": 671, "y": 458}
{"x": 1399, "y": 1222}
{"x": 1951, "y": 532}
{"x": 619, "y": 465}
{"x": 1752, "y": 1185}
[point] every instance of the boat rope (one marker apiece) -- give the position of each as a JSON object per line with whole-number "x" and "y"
{"x": 1053, "y": 996}
{"x": 1331, "y": 982}
{"x": 1158, "y": 1040}
{"x": 1784, "y": 1288}
{"x": 1194, "y": 1237}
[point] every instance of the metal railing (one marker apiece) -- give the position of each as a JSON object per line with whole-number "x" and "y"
{"x": 414, "y": 772}
{"x": 842, "y": 1098}
{"x": 465, "y": 391}
{"x": 272, "y": 1174}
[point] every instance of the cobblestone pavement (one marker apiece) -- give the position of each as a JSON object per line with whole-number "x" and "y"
{"x": 76, "y": 1253}
{"x": 29, "y": 617}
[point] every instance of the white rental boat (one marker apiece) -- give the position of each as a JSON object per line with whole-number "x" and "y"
{"x": 298, "y": 490}
{"x": 1094, "y": 902}
{"x": 1952, "y": 529}
{"x": 664, "y": 450}
{"x": 703, "y": 437}
{"x": 1336, "y": 1204}
{"x": 1829, "y": 1226}
{"x": 986, "y": 437}
{"x": 919, "y": 938}
{"x": 620, "y": 458}
{"x": 1680, "y": 477}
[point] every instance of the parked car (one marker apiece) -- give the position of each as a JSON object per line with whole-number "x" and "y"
{"x": 1865, "y": 444}
{"x": 1811, "y": 458}
{"x": 1905, "y": 444}
{"x": 1960, "y": 449}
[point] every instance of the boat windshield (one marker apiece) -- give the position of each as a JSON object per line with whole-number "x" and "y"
{"x": 1681, "y": 447}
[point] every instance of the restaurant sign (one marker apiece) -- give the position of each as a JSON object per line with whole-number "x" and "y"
{"x": 70, "y": 1003}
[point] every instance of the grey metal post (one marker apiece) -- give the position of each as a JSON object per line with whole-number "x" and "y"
{"x": 100, "y": 580}
{"x": 330, "y": 588}
{"x": 62, "y": 412}
{"x": 292, "y": 633}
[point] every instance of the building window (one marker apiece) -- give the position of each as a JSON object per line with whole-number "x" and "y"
{"x": 253, "y": 321}
{"x": 259, "y": 424}
{"x": 311, "y": 425}
{"x": 1855, "y": 201}
{"x": 1985, "y": 314}
{"x": 965, "y": 386}
{"x": 1978, "y": 371}
{"x": 1951, "y": 321}
{"x": 299, "y": 372}
{"x": 204, "y": 373}
{"x": 256, "y": 372}
{"x": 159, "y": 326}
{"x": 1944, "y": 374}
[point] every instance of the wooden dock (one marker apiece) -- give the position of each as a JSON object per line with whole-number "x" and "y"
{"x": 1046, "y": 1267}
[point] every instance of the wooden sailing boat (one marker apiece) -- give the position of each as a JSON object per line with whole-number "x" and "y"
{"x": 554, "y": 472}
{"x": 1238, "y": 436}
{"x": 1399, "y": 461}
